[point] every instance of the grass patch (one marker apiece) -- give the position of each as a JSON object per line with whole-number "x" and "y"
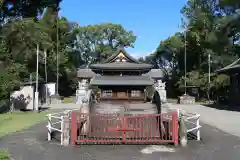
{"x": 13, "y": 122}
{"x": 4, "y": 155}
{"x": 69, "y": 100}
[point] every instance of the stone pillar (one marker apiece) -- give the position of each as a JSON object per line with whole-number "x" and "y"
{"x": 65, "y": 138}
{"x": 81, "y": 92}
{"x": 183, "y": 132}
{"x": 84, "y": 110}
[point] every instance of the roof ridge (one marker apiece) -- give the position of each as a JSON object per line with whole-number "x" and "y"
{"x": 125, "y": 52}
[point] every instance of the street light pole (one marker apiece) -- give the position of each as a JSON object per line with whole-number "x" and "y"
{"x": 36, "y": 90}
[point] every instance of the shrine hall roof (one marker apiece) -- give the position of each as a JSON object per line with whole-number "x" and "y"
{"x": 115, "y": 62}
{"x": 122, "y": 80}
{"x": 155, "y": 73}
{"x": 85, "y": 73}
{"x": 88, "y": 73}
{"x": 119, "y": 50}
{"x": 121, "y": 65}
{"x": 231, "y": 68}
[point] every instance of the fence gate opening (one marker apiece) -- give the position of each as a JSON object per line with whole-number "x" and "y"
{"x": 115, "y": 129}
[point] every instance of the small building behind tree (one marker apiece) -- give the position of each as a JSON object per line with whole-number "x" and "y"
{"x": 233, "y": 71}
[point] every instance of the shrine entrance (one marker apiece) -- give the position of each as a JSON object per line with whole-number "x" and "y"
{"x": 127, "y": 129}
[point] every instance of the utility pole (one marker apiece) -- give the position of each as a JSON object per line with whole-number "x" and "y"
{"x": 185, "y": 64}
{"x": 46, "y": 88}
{"x": 209, "y": 69}
{"x": 36, "y": 90}
{"x": 57, "y": 86}
{"x": 30, "y": 79}
{"x": 209, "y": 75}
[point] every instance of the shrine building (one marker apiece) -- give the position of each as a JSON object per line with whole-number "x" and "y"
{"x": 121, "y": 77}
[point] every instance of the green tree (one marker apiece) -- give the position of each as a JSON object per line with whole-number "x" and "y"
{"x": 103, "y": 39}
{"x": 19, "y": 40}
{"x": 209, "y": 28}
{"x": 25, "y": 8}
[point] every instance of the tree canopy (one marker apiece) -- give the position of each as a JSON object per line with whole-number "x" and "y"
{"x": 28, "y": 24}
{"x": 209, "y": 27}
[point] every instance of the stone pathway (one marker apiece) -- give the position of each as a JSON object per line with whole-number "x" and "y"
{"x": 227, "y": 121}
{"x": 134, "y": 108}
{"x": 61, "y": 106}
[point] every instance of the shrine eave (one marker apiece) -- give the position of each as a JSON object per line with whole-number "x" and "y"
{"x": 231, "y": 68}
{"x": 121, "y": 81}
{"x": 155, "y": 73}
{"x": 121, "y": 66}
{"x": 85, "y": 73}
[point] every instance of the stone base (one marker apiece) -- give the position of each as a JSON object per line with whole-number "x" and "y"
{"x": 56, "y": 99}
{"x": 186, "y": 99}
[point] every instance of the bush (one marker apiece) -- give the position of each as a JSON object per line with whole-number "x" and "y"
{"x": 4, "y": 106}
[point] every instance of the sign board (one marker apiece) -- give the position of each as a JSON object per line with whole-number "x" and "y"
{"x": 51, "y": 88}
{"x": 195, "y": 91}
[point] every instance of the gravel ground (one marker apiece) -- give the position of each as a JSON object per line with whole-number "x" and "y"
{"x": 32, "y": 144}
{"x": 218, "y": 143}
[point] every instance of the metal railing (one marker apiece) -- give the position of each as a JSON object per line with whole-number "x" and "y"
{"x": 54, "y": 119}
{"x": 129, "y": 129}
{"x": 193, "y": 119}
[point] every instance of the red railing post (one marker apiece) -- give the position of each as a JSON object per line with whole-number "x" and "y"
{"x": 124, "y": 127}
{"x": 175, "y": 127}
{"x": 74, "y": 128}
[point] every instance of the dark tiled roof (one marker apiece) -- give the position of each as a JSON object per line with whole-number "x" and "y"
{"x": 109, "y": 60}
{"x": 85, "y": 73}
{"x": 233, "y": 67}
{"x": 155, "y": 73}
{"x": 121, "y": 65}
{"x": 122, "y": 80}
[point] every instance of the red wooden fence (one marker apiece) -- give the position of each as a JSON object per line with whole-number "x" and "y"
{"x": 111, "y": 128}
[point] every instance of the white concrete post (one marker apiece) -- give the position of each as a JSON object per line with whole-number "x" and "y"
{"x": 49, "y": 128}
{"x": 76, "y": 99}
{"x": 12, "y": 101}
{"x": 198, "y": 128}
{"x": 36, "y": 101}
{"x": 178, "y": 112}
{"x": 62, "y": 129}
{"x": 65, "y": 129}
{"x": 36, "y": 91}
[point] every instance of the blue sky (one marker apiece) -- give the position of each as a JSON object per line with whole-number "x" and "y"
{"x": 150, "y": 20}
